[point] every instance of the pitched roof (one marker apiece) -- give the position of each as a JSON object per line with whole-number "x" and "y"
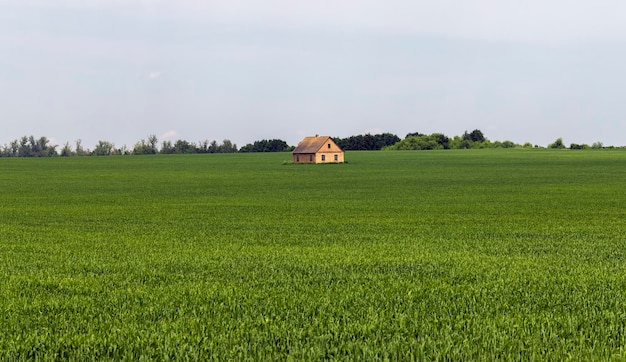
{"x": 311, "y": 144}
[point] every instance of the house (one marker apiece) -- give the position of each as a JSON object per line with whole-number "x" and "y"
{"x": 318, "y": 149}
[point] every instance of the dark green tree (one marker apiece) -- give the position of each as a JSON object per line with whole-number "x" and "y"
{"x": 214, "y": 147}
{"x": 475, "y": 136}
{"x": 413, "y": 134}
{"x": 274, "y": 145}
{"x": 367, "y": 142}
{"x": 558, "y": 144}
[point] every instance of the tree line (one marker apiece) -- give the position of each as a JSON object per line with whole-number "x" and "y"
{"x": 42, "y": 147}
{"x": 30, "y": 146}
{"x": 474, "y": 139}
{"x": 439, "y": 141}
{"x": 366, "y": 142}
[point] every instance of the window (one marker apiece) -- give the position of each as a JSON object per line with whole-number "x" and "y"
{"x": 336, "y": 158}
{"x": 311, "y": 158}
{"x": 329, "y": 145}
{"x": 297, "y": 158}
{"x": 323, "y": 158}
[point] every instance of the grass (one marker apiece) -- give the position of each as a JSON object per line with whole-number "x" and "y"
{"x": 481, "y": 254}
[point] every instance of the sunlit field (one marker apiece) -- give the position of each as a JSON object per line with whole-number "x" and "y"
{"x": 463, "y": 255}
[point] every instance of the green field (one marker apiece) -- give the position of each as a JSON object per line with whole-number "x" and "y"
{"x": 464, "y": 255}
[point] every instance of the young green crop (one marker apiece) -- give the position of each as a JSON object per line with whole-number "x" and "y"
{"x": 481, "y": 254}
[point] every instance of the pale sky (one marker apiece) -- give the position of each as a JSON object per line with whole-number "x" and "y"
{"x": 120, "y": 70}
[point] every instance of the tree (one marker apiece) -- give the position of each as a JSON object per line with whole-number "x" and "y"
{"x": 12, "y": 150}
{"x": 141, "y": 148}
{"x": 441, "y": 140}
{"x": 274, "y": 145}
{"x": 24, "y": 149}
{"x": 435, "y": 141}
{"x": 367, "y": 141}
{"x": 32, "y": 147}
{"x": 227, "y": 147}
{"x": 386, "y": 139}
{"x": 148, "y": 147}
{"x": 80, "y": 151}
{"x": 15, "y": 147}
{"x": 167, "y": 147}
{"x": 213, "y": 147}
{"x": 203, "y": 146}
{"x": 153, "y": 141}
{"x": 182, "y": 146}
{"x": 29, "y": 147}
{"x": 103, "y": 148}
{"x": 465, "y": 144}
{"x": 414, "y": 134}
{"x": 123, "y": 150}
{"x": 558, "y": 144}
{"x": 37, "y": 146}
{"x": 66, "y": 151}
{"x": 575, "y": 146}
{"x": 475, "y": 136}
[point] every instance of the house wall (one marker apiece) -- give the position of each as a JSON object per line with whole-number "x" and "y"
{"x": 304, "y": 158}
{"x": 329, "y": 150}
{"x": 333, "y": 148}
{"x": 329, "y": 157}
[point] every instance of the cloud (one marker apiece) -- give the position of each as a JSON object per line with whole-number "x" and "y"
{"x": 52, "y": 142}
{"x": 169, "y": 135}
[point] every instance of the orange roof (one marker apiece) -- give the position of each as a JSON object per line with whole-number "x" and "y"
{"x": 312, "y": 144}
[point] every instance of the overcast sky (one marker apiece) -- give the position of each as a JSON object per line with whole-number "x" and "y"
{"x": 120, "y": 70}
